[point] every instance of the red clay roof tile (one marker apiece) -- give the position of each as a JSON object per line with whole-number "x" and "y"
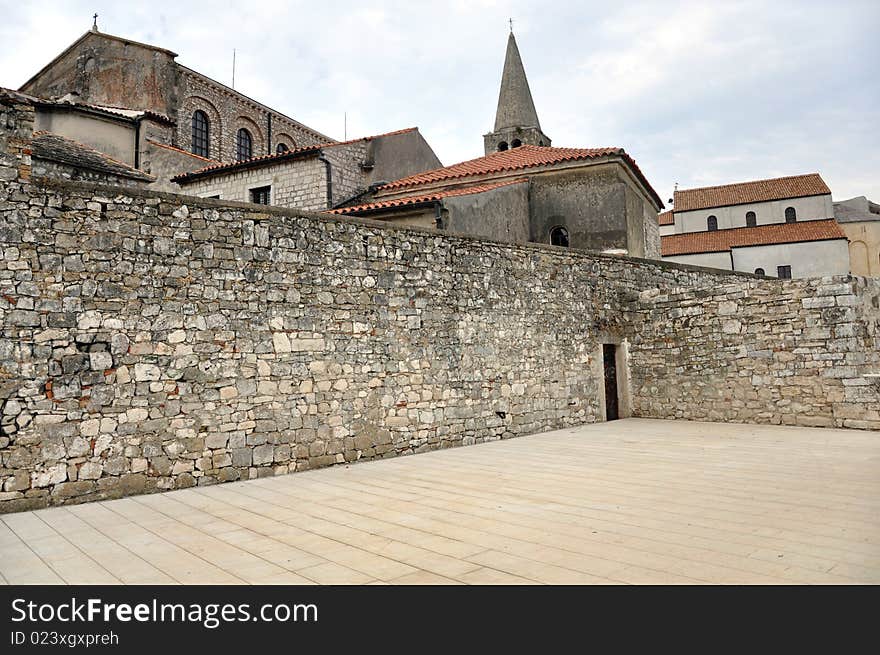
{"x": 795, "y": 186}
{"x": 692, "y": 243}
{"x": 514, "y": 159}
{"x": 666, "y": 218}
{"x": 415, "y": 200}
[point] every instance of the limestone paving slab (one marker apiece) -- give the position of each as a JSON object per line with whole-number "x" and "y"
{"x": 635, "y": 501}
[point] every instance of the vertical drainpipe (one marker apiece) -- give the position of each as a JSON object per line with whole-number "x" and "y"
{"x": 329, "y": 178}
{"x": 137, "y": 143}
{"x": 438, "y": 218}
{"x": 269, "y": 130}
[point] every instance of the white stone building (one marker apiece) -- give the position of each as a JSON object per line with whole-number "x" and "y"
{"x": 783, "y": 227}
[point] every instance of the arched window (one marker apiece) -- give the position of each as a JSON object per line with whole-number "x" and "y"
{"x": 759, "y": 271}
{"x": 502, "y": 146}
{"x": 712, "y": 223}
{"x": 790, "y": 215}
{"x": 559, "y": 236}
{"x": 281, "y": 147}
{"x": 516, "y": 143}
{"x": 200, "y": 133}
{"x": 751, "y": 219}
{"x": 243, "y": 145}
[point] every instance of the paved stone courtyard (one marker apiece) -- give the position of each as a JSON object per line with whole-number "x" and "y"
{"x": 633, "y": 501}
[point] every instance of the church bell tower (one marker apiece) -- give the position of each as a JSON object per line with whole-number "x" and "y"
{"x": 516, "y": 121}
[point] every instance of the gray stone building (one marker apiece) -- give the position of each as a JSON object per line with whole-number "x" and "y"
{"x": 209, "y": 119}
{"x": 317, "y": 177}
{"x": 524, "y": 190}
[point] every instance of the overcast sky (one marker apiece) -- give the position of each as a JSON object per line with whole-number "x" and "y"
{"x": 699, "y": 93}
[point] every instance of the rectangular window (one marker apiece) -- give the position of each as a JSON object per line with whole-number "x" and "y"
{"x": 783, "y": 272}
{"x": 261, "y": 195}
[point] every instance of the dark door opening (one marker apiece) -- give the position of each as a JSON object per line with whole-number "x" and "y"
{"x": 609, "y": 357}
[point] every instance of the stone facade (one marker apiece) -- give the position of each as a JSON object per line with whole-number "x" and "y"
{"x": 103, "y": 69}
{"x": 601, "y": 204}
{"x": 164, "y": 162}
{"x": 228, "y": 111}
{"x": 316, "y": 178}
{"x": 300, "y": 182}
{"x": 16, "y": 136}
{"x": 791, "y": 353}
{"x": 152, "y": 342}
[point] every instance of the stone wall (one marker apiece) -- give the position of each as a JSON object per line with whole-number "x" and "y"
{"x": 62, "y": 171}
{"x": 110, "y": 71}
{"x": 164, "y": 162}
{"x": 347, "y": 175}
{"x": 227, "y": 111}
{"x": 792, "y": 352}
{"x": 151, "y": 341}
{"x": 297, "y": 182}
{"x": 16, "y": 135}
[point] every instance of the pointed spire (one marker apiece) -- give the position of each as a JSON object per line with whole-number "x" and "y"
{"x": 516, "y": 121}
{"x": 515, "y": 105}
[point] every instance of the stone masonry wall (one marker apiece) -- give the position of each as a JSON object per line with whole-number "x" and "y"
{"x": 348, "y": 176}
{"x": 300, "y": 182}
{"x": 792, "y": 353}
{"x": 151, "y": 341}
{"x": 16, "y": 136}
{"x": 228, "y": 111}
{"x": 61, "y": 171}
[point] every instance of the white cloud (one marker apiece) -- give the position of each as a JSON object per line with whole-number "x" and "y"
{"x": 698, "y": 92}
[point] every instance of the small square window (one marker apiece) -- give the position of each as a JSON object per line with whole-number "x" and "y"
{"x": 783, "y": 272}
{"x": 261, "y": 195}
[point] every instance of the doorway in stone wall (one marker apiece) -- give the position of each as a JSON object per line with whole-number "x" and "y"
{"x": 609, "y": 365}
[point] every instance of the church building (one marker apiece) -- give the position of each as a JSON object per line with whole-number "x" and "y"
{"x": 523, "y": 189}
{"x": 113, "y": 110}
{"x": 782, "y": 227}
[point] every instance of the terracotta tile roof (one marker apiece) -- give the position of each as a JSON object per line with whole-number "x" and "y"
{"x": 270, "y": 159}
{"x": 666, "y": 218}
{"x": 13, "y": 96}
{"x": 416, "y": 200}
{"x": 54, "y": 147}
{"x": 72, "y": 101}
{"x": 795, "y": 186}
{"x": 693, "y": 243}
{"x": 516, "y": 159}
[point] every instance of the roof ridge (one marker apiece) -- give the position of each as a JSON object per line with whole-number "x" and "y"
{"x": 753, "y": 191}
{"x": 411, "y": 180}
{"x": 691, "y": 243}
{"x": 768, "y": 179}
{"x": 102, "y": 155}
